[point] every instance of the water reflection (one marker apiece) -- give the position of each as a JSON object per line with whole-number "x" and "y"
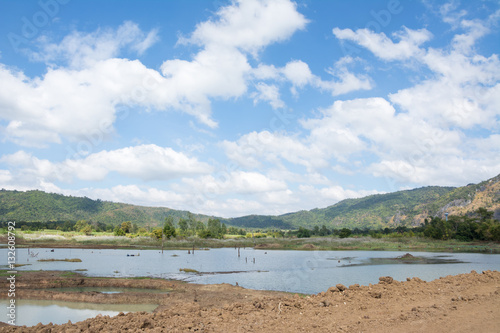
{"x": 32, "y": 312}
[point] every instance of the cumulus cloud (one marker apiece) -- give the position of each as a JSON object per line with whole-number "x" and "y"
{"x": 382, "y": 46}
{"x": 325, "y": 196}
{"x": 145, "y": 162}
{"x": 238, "y": 182}
{"x": 75, "y": 100}
{"x": 300, "y": 75}
{"x": 73, "y": 103}
{"x": 137, "y": 195}
{"x": 81, "y": 50}
{"x": 268, "y": 93}
{"x": 249, "y": 25}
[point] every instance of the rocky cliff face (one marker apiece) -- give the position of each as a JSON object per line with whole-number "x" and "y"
{"x": 487, "y": 195}
{"x": 463, "y": 201}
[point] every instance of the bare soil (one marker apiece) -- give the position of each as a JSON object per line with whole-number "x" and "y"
{"x": 462, "y": 303}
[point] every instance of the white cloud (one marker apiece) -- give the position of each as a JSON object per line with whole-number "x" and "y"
{"x": 145, "y": 162}
{"x": 221, "y": 69}
{"x": 250, "y": 25}
{"x": 136, "y": 195}
{"x": 429, "y": 141}
{"x": 329, "y": 195}
{"x": 81, "y": 50}
{"x": 447, "y": 170}
{"x": 78, "y": 100}
{"x": 298, "y": 73}
{"x": 400, "y": 145}
{"x": 382, "y": 46}
{"x": 5, "y": 177}
{"x": 268, "y": 93}
{"x": 250, "y": 150}
{"x": 236, "y": 182}
{"x": 74, "y": 103}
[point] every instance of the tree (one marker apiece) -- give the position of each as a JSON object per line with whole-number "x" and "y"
{"x": 126, "y": 227}
{"x": 303, "y": 233}
{"x": 205, "y": 233}
{"x": 324, "y": 231}
{"x": 191, "y": 222}
{"x": 215, "y": 228}
{"x": 67, "y": 226}
{"x": 200, "y": 226}
{"x": 484, "y": 214}
{"x": 80, "y": 224}
{"x": 119, "y": 231}
{"x": 87, "y": 230}
{"x": 344, "y": 233}
{"x": 169, "y": 228}
{"x": 183, "y": 226}
{"x": 157, "y": 233}
{"x": 315, "y": 230}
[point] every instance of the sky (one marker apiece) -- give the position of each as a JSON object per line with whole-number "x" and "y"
{"x": 231, "y": 108}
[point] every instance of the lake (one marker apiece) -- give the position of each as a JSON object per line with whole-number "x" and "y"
{"x": 293, "y": 271}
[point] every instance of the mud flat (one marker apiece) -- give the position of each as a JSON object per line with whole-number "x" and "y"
{"x": 461, "y": 303}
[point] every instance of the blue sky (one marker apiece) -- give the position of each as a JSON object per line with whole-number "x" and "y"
{"x": 247, "y": 107}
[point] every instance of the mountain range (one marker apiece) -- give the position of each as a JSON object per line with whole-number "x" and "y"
{"x": 408, "y": 207}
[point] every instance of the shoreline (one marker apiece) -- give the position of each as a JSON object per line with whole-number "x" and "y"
{"x": 388, "y": 306}
{"x": 301, "y": 244}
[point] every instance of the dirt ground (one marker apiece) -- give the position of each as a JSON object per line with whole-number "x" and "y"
{"x": 462, "y": 303}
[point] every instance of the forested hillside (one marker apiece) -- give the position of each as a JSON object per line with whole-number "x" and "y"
{"x": 406, "y": 208}
{"x": 402, "y": 208}
{"x": 38, "y": 206}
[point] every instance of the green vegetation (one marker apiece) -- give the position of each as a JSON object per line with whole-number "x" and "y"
{"x": 482, "y": 227}
{"x": 36, "y": 210}
{"x": 188, "y": 270}
{"x": 38, "y": 206}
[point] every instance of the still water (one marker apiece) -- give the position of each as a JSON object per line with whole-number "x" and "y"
{"x": 32, "y": 312}
{"x": 293, "y": 271}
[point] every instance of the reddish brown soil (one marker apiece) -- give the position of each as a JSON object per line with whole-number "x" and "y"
{"x": 462, "y": 303}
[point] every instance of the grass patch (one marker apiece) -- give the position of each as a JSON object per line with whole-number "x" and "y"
{"x": 365, "y": 243}
{"x": 188, "y": 270}
{"x": 68, "y": 260}
{"x": 21, "y": 265}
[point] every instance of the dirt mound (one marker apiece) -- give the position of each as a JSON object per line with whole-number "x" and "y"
{"x": 308, "y": 247}
{"x": 462, "y": 303}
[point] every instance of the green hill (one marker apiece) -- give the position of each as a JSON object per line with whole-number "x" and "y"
{"x": 408, "y": 208}
{"x": 38, "y": 206}
{"x": 373, "y": 211}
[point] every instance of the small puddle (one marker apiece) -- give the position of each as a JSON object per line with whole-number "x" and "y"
{"x": 32, "y": 312}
